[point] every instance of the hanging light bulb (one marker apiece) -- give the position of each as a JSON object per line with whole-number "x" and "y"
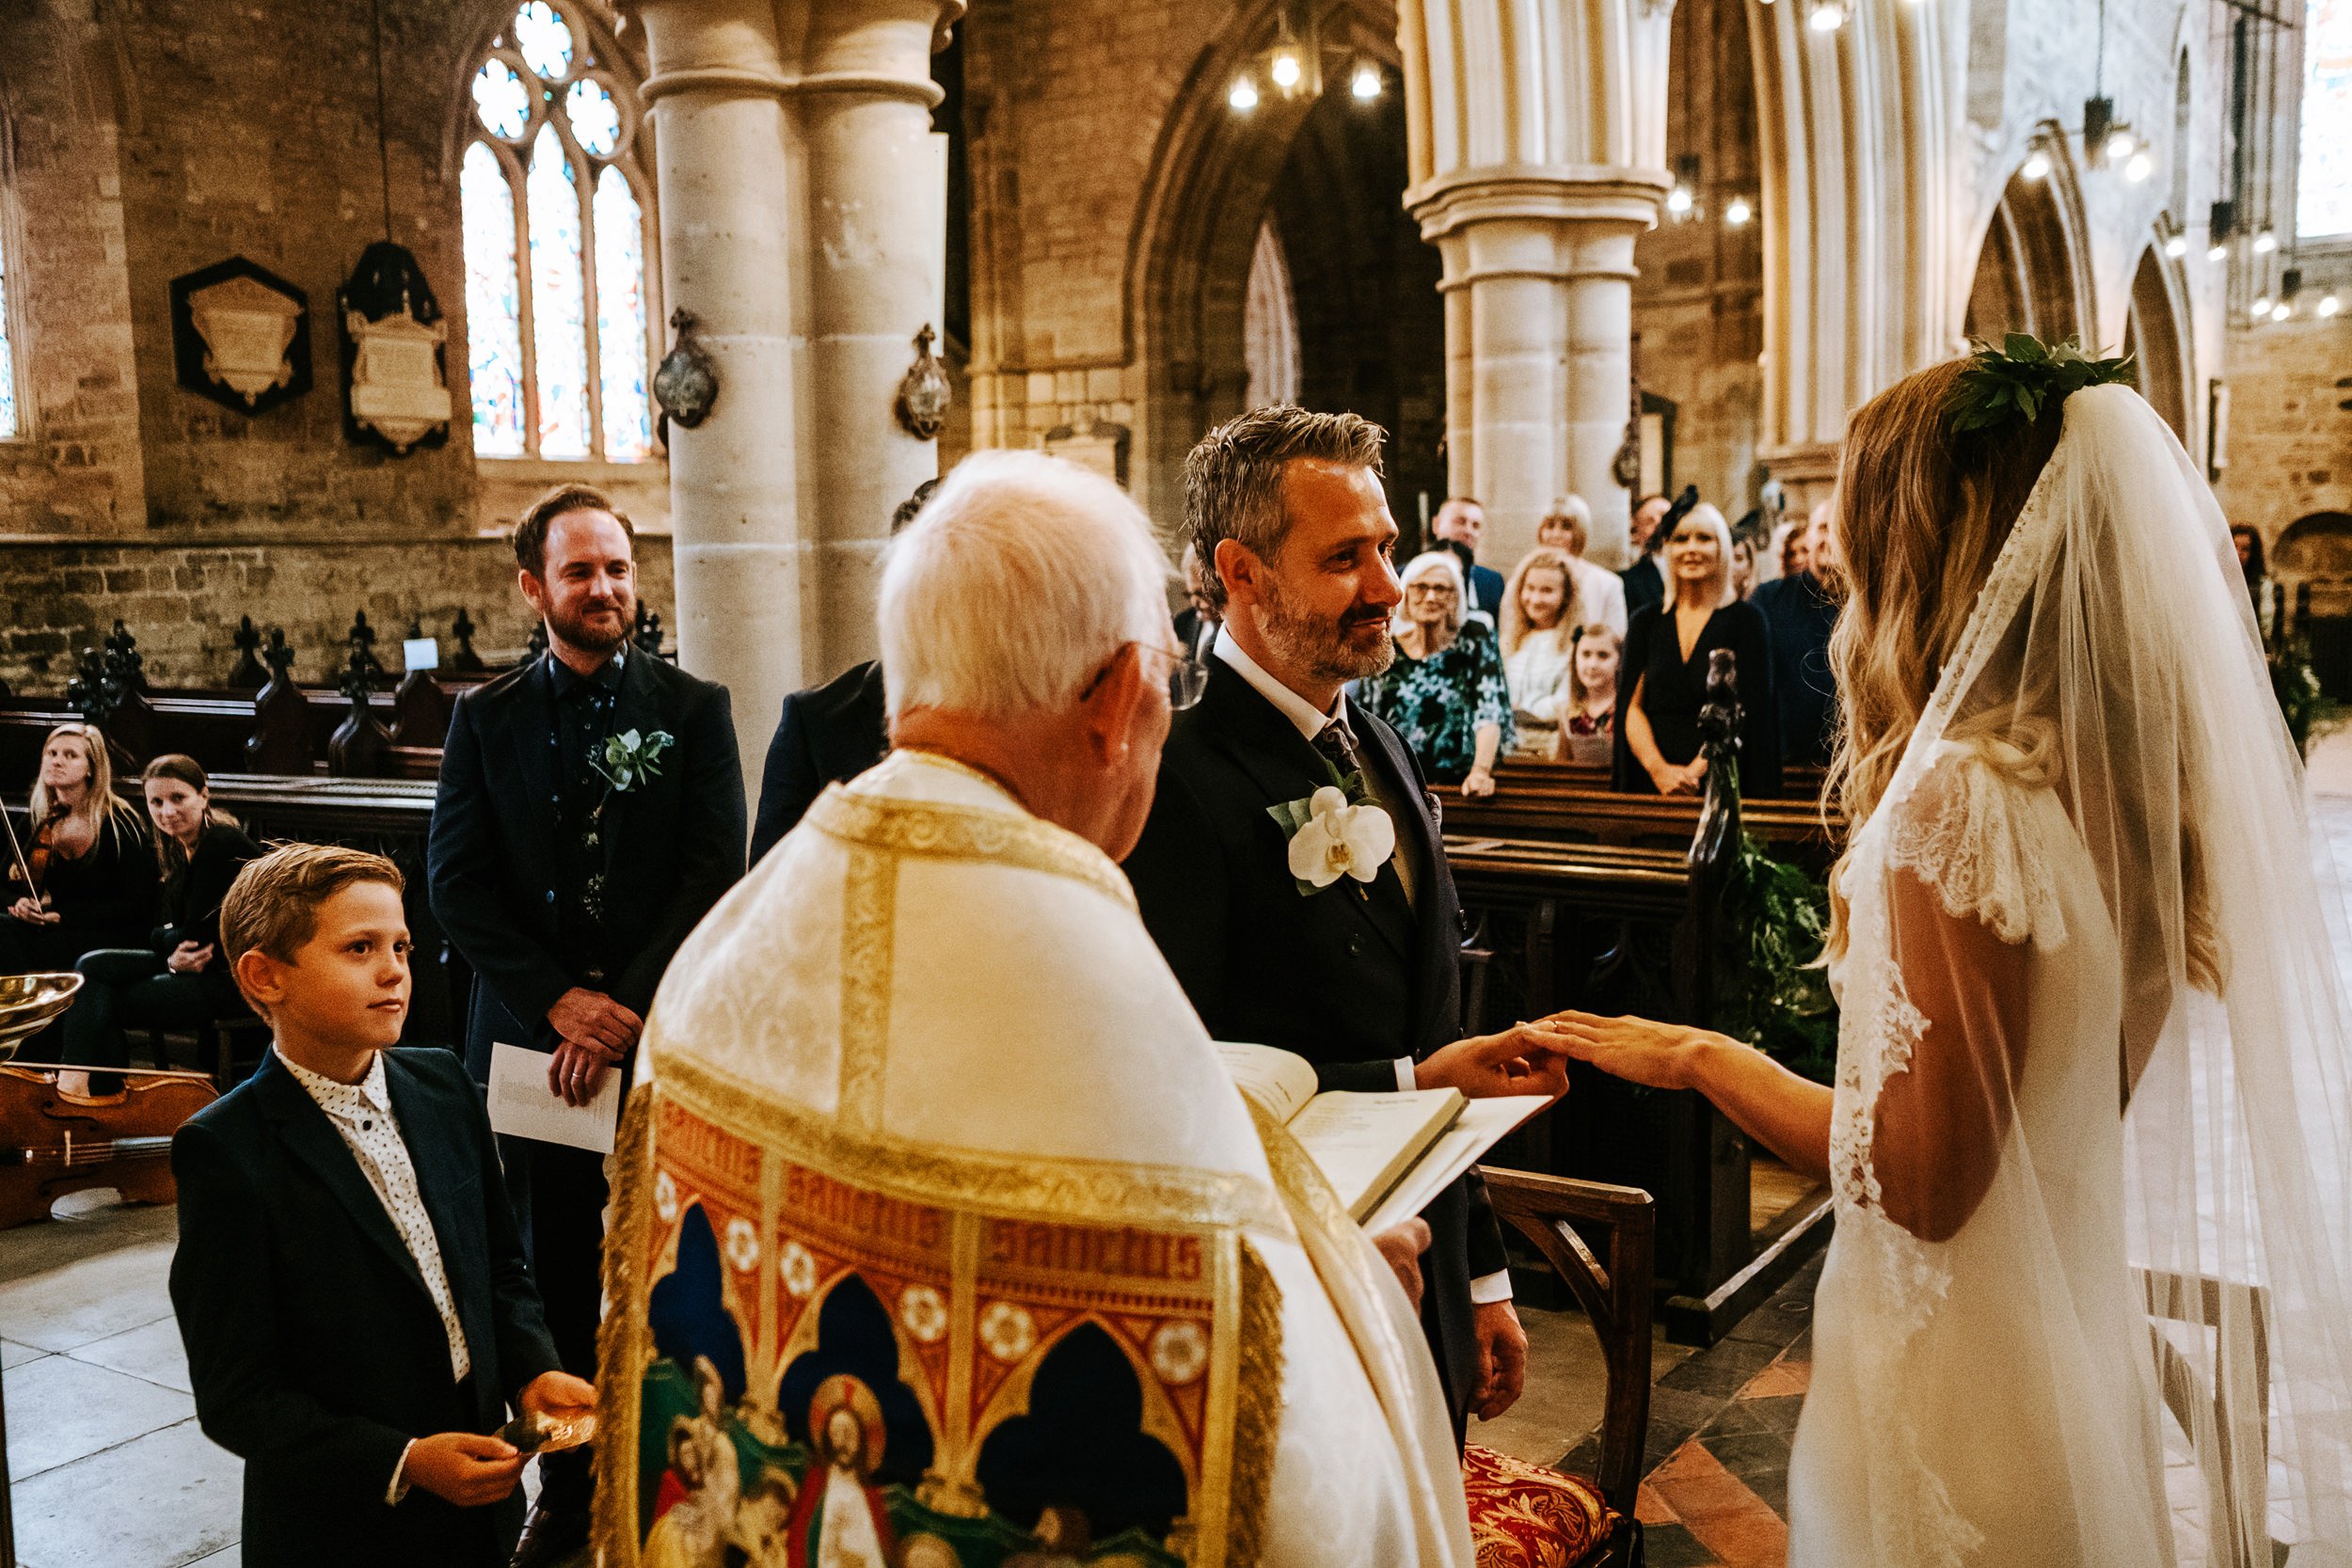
{"x": 2264, "y": 243}
{"x": 2037, "y": 164}
{"x": 2177, "y": 247}
{"x": 1739, "y": 211}
{"x": 1826, "y": 17}
{"x": 2119, "y": 145}
{"x": 2138, "y": 167}
{"x": 2217, "y": 252}
{"x": 2329, "y": 305}
{"x": 2282, "y": 310}
{"x": 1678, "y": 200}
{"x": 1285, "y": 70}
{"x": 1366, "y": 84}
{"x": 1245, "y": 95}
{"x": 2261, "y": 305}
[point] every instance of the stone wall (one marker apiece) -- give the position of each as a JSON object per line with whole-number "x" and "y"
{"x": 183, "y": 600}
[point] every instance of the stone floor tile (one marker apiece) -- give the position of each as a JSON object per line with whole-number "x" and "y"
{"x": 82, "y": 1300}
{"x": 168, "y": 1499}
{"x": 1650, "y": 1508}
{"x": 154, "y": 1352}
{"x": 1721, "y": 1511}
{"x": 1673, "y": 1546}
{"x": 14, "y": 1355}
{"x": 61, "y": 1410}
{"x": 1785, "y": 1376}
{"x": 1776, "y": 1415}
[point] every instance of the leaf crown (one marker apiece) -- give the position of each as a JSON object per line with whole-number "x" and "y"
{"x": 2025, "y": 375}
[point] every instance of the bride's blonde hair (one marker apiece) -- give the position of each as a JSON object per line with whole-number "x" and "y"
{"x": 1922, "y": 512}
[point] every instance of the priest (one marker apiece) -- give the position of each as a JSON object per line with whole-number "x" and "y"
{"x": 935, "y": 1167}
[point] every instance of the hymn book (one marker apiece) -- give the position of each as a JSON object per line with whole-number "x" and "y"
{"x": 1386, "y": 1155}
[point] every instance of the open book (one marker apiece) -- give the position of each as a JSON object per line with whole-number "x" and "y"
{"x": 1387, "y": 1155}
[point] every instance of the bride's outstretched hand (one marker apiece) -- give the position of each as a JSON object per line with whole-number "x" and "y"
{"x": 1634, "y": 1048}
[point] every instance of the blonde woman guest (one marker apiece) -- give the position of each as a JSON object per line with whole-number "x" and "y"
{"x": 1539, "y": 618}
{"x": 1588, "y": 727}
{"x": 176, "y": 978}
{"x": 1445, "y": 695}
{"x": 1663, "y": 681}
{"x": 1599, "y": 592}
{"x": 91, "y": 855}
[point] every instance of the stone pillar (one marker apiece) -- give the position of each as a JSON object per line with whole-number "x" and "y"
{"x": 729, "y": 238}
{"x": 1539, "y": 320}
{"x": 876, "y": 215}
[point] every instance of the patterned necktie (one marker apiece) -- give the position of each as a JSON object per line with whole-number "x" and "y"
{"x": 1337, "y": 742}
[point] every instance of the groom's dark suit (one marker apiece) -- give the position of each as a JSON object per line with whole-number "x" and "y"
{"x": 1351, "y": 977}
{"x": 510, "y": 872}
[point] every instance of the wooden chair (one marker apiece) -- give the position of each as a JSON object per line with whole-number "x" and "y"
{"x": 1600, "y": 1240}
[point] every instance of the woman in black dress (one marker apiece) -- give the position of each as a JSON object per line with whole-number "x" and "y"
{"x": 176, "y": 979}
{"x": 1662, "y": 682}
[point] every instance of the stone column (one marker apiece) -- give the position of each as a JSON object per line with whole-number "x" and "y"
{"x": 876, "y": 217}
{"x": 729, "y": 243}
{"x": 1539, "y": 320}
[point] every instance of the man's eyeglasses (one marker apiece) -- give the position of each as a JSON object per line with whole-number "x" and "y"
{"x": 1188, "y": 680}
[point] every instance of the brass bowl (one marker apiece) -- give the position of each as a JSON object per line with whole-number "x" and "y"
{"x": 29, "y": 1003}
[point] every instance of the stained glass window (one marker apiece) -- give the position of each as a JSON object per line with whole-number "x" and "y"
{"x": 2322, "y": 199}
{"x": 9, "y": 428}
{"x": 557, "y": 234}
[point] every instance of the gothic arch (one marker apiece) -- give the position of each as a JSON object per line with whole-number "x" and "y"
{"x": 1212, "y": 175}
{"x": 2156, "y": 332}
{"x": 2032, "y": 266}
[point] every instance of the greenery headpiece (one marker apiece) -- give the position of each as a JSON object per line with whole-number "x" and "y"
{"x": 2024, "y": 375}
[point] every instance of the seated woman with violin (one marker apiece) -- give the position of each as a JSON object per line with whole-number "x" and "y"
{"x": 88, "y": 861}
{"x": 1661, "y": 680}
{"x": 176, "y": 978}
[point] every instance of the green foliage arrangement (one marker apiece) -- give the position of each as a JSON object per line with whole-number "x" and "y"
{"x": 2296, "y": 684}
{"x": 2017, "y": 379}
{"x": 1768, "y": 991}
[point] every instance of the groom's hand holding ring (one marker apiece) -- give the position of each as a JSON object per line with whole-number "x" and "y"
{"x": 1524, "y": 1059}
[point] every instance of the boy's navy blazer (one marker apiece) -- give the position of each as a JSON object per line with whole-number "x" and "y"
{"x": 673, "y": 845}
{"x": 1350, "y": 977}
{"x": 314, "y": 1348}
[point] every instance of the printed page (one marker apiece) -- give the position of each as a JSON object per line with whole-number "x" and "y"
{"x": 523, "y": 1105}
{"x": 1364, "y": 1142}
{"x": 1483, "y": 1124}
{"x": 1281, "y": 1081}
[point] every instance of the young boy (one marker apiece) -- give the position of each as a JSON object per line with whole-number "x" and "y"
{"x": 354, "y": 1299}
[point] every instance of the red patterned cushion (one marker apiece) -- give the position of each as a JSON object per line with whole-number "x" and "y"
{"x": 1522, "y": 1515}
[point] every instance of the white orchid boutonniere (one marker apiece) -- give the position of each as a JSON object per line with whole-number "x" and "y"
{"x": 625, "y": 759}
{"x": 1331, "y": 837}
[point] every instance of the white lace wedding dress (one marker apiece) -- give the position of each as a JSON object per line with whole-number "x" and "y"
{"x": 2089, "y": 1144}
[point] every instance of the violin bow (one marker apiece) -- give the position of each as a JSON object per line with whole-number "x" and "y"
{"x": 16, "y": 848}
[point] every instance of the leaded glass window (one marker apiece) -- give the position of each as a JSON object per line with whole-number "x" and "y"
{"x": 9, "y": 427}
{"x": 558, "y": 237}
{"x": 2323, "y": 186}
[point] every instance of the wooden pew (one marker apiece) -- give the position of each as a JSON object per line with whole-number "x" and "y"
{"x": 1612, "y": 904}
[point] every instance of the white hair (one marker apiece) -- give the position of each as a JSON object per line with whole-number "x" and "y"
{"x": 1707, "y": 515}
{"x": 1014, "y": 585}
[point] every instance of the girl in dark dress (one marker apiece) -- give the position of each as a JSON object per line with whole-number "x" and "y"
{"x": 176, "y": 978}
{"x": 92, "y": 862}
{"x": 1663, "y": 683}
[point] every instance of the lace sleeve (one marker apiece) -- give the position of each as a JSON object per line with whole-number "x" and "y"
{"x": 1969, "y": 830}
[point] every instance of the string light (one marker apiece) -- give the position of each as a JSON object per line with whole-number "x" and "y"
{"x": 2139, "y": 167}
{"x": 2264, "y": 243}
{"x": 2037, "y": 166}
{"x": 2329, "y": 306}
{"x": 1678, "y": 200}
{"x": 2120, "y": 145}
{"x": 1366, "y": 84}
{"x": 2282, "y": 310}
{"x": 1285, "y": 70}
{"x": 2217, "y": 252}
{"x": 2261, "y": 305}
{"x": 2177, "y": 247}
{"x": 1826, "y": 17}
{"x": 1243, "y": 96}
{"x": 1739, "y": 211}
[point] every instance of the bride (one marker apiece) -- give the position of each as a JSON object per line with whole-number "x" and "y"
{"x": 2088, "y": 1140}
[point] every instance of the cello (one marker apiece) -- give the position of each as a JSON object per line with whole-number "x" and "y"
{"x": 52, "y": 1143}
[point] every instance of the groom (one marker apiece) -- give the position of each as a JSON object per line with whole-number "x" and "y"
{"x": 1286, "y": 509}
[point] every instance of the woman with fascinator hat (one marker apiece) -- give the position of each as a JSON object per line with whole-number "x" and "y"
{"x": 2089, "y": 1135}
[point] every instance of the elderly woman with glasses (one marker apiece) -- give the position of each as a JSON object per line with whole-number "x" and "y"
{"x": 1445, "y": 695}
{"x": 1662, "y": 680}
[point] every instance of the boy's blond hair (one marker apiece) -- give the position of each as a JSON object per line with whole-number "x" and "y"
{"x": 274, "y": 903}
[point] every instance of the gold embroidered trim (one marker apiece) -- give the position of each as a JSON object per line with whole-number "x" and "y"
{"x": 1075, "y": 1190}
{"x": 622, "y": 1338}
{"x": 968, "y": 833}
{"x": 1257, "y": 1411}
{"x": 869, "y": 913}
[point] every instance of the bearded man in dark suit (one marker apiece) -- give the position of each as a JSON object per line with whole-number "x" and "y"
{"x": 568, "y": 881}
{"x": 1362, "y": 981}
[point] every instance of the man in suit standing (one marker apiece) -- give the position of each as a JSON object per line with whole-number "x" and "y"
{"x": 1462, "y": 523}
{"x": 568, "y": 878}
{"x": 1361, "y": 979}
{"x": 1646, "y": 580}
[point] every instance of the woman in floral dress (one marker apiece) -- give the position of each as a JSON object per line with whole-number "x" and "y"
{"x": 1445, "y": 694}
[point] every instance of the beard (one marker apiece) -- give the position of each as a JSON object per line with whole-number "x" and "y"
{"x": 572, "y": 623}
{"x": 1328, "y": 650}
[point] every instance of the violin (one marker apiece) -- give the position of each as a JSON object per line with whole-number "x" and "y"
{"x": 31, "y": 866}
{"x": 52, "y": 1143}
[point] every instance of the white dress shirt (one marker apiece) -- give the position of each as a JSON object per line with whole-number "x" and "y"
{"x": 362, "y": 1113}
{"x": 1486, "y": 1289}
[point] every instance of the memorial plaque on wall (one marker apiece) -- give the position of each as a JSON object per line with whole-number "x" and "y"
{"x": 241, "y": 336}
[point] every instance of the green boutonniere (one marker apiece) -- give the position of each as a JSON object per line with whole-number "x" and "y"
{"x": 628, "y": 758}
